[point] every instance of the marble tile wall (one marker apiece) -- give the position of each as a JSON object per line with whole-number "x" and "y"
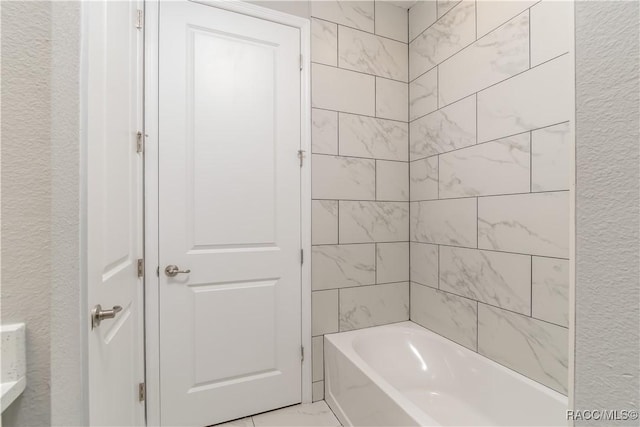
{"x": 360, "y": 169}
{"x": 490, "y": 154}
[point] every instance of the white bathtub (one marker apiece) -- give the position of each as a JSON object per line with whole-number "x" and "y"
{"x": 405, "y": 375}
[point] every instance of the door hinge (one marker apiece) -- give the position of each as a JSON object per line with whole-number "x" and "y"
{"x": 139, "y": 142}
{"x": 301, "y": 256}
{"x": 139, "y": 18}
{"x": 141, "y": 267}
{"x": 302, "y": 353}
{"x": 301, "y": 62}
{"x": 301, "y": 156}
{"x": 142, "y": 391}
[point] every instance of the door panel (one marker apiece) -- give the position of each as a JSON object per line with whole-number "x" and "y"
{"x": 229, "y": 212}
{"x": 114, "y": 203}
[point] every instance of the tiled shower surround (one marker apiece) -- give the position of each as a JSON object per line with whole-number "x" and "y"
{"x": 466, "y": 208}
{"x": 360, "y": 169}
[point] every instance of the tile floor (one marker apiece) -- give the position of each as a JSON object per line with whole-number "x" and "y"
{"x": 315, "y": 414}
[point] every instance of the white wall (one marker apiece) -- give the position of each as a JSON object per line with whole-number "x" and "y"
{"x": 26, "y": 196}
{"x": 68, "y": 307}
{"x": 607, "y": 345}
{"x": 40, "y": 210}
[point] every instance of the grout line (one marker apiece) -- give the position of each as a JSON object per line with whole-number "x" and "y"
{"x": 358, "y": 114}
{"x": 366, "y": 243}
{"x": 438, "y": 180}
{"x": 488, "y": 250}
{"x": 338, "y": 201}
{"x": 476, "y": 95}
{"x": 487, "y": 304}
{"x": 375, "y": 97}
{"x": 529, "y": 27}
{"x": 490, "y": 140}
{"x": 531, "y": 287}
{"x": 357, "y": 71}
{"x": 338, "y": 133}
{"x": 477, "y": 223}
{"x": 475, "y": 13}
{"x": 477, "y": 326}
{"x": 531, "y": 161}
{"x": 476, "y": 38}
{"x": 438, "y": 18}
{"x": 375, "y": 179}
{"x": 458, "y": 198}
{"x": 358, "y": 29}
{"x": 375, "y": 262}
{"x": 438, "y": 266}
{"x": 347, "y": 156}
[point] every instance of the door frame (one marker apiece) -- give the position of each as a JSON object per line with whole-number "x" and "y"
{"x": 151, "y": 171}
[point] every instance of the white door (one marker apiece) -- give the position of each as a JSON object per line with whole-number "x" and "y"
{"x": 114, "y": 204}
{"x": 229, "y": 214}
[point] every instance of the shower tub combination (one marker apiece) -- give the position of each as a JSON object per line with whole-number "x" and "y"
{"x": 404, "y": 375}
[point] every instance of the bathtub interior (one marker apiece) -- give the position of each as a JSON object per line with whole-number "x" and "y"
{"x": 450, "y": 383}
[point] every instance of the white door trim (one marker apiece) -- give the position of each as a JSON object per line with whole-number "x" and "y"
{"x": 152, "y": 319}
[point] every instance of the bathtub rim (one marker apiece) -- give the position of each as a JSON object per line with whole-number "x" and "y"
{"x": 343, "y": 342}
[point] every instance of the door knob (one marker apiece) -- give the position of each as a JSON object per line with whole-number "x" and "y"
{"x": 98, "y": 314}
{"x": 173, "y": 270}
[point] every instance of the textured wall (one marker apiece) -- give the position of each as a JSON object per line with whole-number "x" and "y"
{"x": 68, "y": 309}
{"x": 360, "y": 208}
{"x": 490, "y": 162}
{"x": 26, "y": 196}
{"x": 607, "y": 342}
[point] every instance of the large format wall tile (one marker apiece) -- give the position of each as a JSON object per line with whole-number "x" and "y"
{"x": 335, "y": 177}
{"x": 551, "y": 158}
{"x": 494, "y": 13}
{"x": 551, "y": 30}
{"x": 501, "y": 54}
{"x": 449, "y": 315}
{"x": 391, "y": 21}
{"x": 421, "y": 16}
{"x": 373, "y": 305}
{"x": 363, "y": 136}
{"x": 424, "y": 264}
{"x": 499, "y": 279}
{"x": 536, "y": 223}
{"x": 324, "y": 222}
{"x": 444, "y": 130}
{"x": 448, "y": 222}
{"x": 392, "y": 99}
{"x": 531, "y": 100}
{"x": 465, "y": 173}
{"x": 445, "y": 6}
{"x": 363, "y": 222}
{"x": 392, "y": 181}
{"x": 423, "y": 94}
{"x": 324, "y": 312}
{"x": 342, "y": 90}
{"x": 550, "y": 291}
{"x": 392, "y": 262}
{"x": 324, "y": 42}
{"x": 423, "y": 178}
{"x": 324, "y": 131}
{"x": 444, "y": 38}
{"x": 317, "y": 351}
{"x": 339, "y": 266}
{"x": 356, "y": 14}
{"x": 533, "y": 348}
{"x": 371, "y": 54}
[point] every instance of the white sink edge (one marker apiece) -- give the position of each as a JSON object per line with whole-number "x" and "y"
{"x": 11, "y": 390}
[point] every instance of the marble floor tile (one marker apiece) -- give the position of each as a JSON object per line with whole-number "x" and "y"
{"x": 313, "y": 414}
